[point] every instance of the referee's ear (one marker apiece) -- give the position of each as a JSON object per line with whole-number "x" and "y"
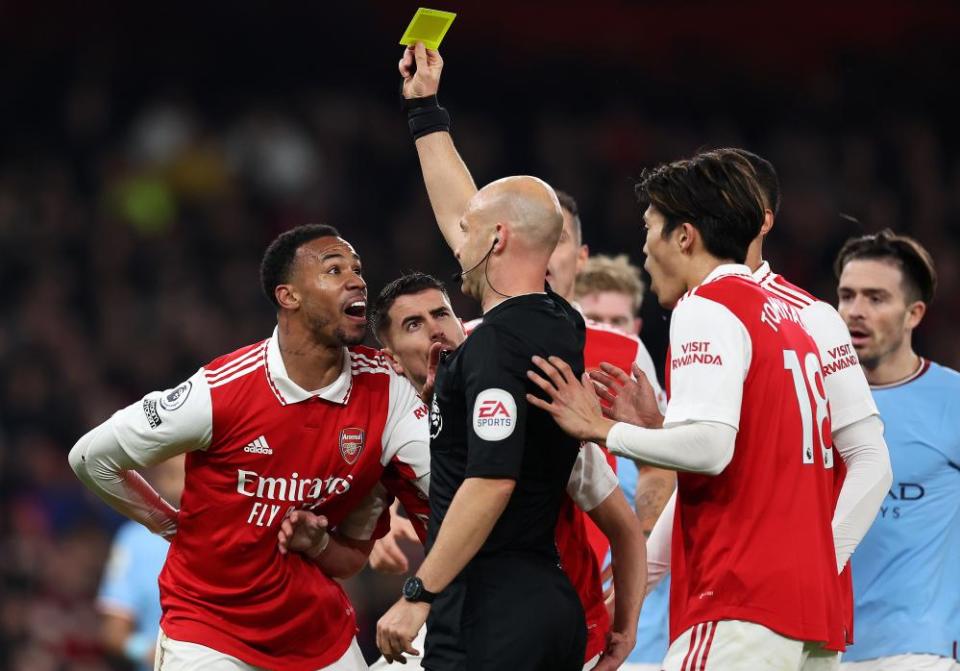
{"x": 392, "y": 360}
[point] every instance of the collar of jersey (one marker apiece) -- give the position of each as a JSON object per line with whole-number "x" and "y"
{"x": 725, "y": 269}
{"x": 513, "y": 300}
{"x": 287, "y": 391}
{"x": 761, "y": 272}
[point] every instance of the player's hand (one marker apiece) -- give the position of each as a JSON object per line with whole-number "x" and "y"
{"x": 616, "y": 651}
{"x": 420, "y": 68}
{"x": 573, "y": 403}
{"x": 303, "y": 531}
{"x": 398, "y": 627}
{"x": 387, "y": 556}
{"x": 433, "y": 360}
{"x": 631, "y": 400}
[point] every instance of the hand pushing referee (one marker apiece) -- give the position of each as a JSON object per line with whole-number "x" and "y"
{"x": 491, "y": 584}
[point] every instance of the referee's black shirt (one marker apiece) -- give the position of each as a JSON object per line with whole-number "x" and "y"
{"x": 482, "y": 427}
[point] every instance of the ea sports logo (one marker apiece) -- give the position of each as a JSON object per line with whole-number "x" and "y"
{"x": 494, "y": 414}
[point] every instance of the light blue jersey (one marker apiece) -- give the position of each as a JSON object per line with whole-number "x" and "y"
{"x": 906, "y": 571}
{"x": 653, "y": 631}
{"x": 129, "y": 584}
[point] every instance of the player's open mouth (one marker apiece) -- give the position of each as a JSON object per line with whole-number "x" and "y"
{"x": 859, "y": 336}
{"x": 357, "y": 311}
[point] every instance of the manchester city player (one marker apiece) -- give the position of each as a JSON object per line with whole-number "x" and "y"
{"x": 906, "y": 571}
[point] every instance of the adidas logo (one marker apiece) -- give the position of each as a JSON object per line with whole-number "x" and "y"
{"x": 259, "y": 446}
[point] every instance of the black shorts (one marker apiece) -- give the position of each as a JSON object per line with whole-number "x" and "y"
{"x": 516, "y": 613}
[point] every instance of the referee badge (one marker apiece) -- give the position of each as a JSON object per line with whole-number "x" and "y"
{"x": 351, "y": 444}
{"x": 494, "y": 414}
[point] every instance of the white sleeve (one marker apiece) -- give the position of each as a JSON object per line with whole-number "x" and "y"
{"x": 591, "y": 480}
{"x": 166, "y": 423}
{"x": 710, "y": 353}
{"x": 361, "y": 522}
{"x": 696, "y": 447}
{"x": 659, "y": 544}
{"x": 406, "y": 435}
{"x": 865, "y": 486}
{"x": 108, "y": 470}
{"x": 645, "y": 363}
{"x": 846, "y": 385}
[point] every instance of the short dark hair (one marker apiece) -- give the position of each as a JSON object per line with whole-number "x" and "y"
{"x": 569, "y": 203}
{"x": 915, "y": 263}
{"x": 766, "y": 177}
{"x": 277, "y": 261}
{"x": 405, "y": 285}
{"x": 716, "y": 192}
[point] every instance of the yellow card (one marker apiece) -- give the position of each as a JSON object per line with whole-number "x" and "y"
{"x": 428, "y": 26}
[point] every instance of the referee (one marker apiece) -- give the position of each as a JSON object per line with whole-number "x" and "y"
{"x": 491, "y": 582}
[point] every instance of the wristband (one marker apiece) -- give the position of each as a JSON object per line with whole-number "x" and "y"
{"x": 425, "y": 116}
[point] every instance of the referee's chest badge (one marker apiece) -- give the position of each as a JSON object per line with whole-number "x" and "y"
{"x": 351, "y": 444}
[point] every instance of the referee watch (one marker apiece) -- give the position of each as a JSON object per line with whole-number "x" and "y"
{"x": 414, "y": 591}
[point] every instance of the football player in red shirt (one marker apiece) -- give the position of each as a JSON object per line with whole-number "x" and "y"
{"x": 285, "y": 439}
{"x": 747, "y": 426}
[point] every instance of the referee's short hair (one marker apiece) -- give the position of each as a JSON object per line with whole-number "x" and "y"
{"x": 277, "y": 262}
{"x": 914, "y": 261}
{"x": 405, "y": 285}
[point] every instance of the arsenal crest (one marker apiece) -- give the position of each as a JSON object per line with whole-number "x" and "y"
{"x": 351, "y": 444}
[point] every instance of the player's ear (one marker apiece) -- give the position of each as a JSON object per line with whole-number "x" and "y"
{"x": 767, "y": 224}
{"x": 915, "y": 313}
{"x": 287, "y": 296}
{"x": 686, "y": 233}
{"x": 392, "y": 360}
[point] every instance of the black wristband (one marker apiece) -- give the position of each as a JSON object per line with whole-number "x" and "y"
{"x": 425, "y": 116}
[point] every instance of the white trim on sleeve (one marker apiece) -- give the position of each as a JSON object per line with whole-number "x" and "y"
{"x": 591, "y": 480}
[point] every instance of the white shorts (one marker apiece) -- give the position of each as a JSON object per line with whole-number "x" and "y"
{"x": 413, "y": 663}
{"x": 903, "y": 663}
{"x": 734, "y": 645}
{"x": 639, "y": 667}
{"x": 592, "y": 663}
{"x": 182, "y": 656}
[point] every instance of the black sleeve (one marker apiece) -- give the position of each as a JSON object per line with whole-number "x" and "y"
{"x": 495, "y": 389}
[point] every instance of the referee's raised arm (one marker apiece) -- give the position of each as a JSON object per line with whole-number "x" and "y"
{"x": 448, "y": 181}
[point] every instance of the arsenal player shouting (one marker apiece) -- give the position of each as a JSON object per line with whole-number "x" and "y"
{"x": 287, "y": 437}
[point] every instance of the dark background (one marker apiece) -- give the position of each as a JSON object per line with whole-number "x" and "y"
{"x": 148, "y": 153}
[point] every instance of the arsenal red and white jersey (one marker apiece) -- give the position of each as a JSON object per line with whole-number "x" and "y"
{"x": 753, "y": 543}
{"x": 607, "y": 345}
{"x": 259, "y": 446}
{"x": 846, "y": 385}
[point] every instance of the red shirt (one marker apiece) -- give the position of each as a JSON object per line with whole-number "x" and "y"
{"x": 267, "y": 447}
{"x": 755, "y": 542}
{"x": 607, "y": 345}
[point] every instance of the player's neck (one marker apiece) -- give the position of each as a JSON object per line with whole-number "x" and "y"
{"x": 898, "y": 366}
{"x": 700, "y": 267}
{"x": 309, "y": 364}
